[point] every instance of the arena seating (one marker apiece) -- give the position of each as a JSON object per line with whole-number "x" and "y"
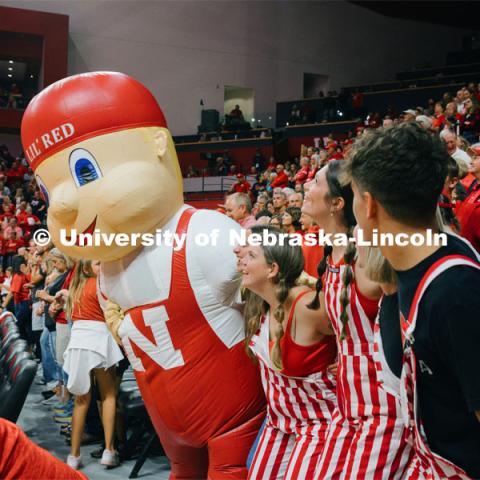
{"x": 17, "y": 369}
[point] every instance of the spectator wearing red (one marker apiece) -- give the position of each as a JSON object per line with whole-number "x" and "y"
{"x": 30, "y": 222}
{"x": 313, "y": 168}
{"x": 6, "y": 214}
{"x": 281, "y": 180}
{"x": 333, "y": 154}
{"x": 12, "y": 227}
{"x": 312, "y": 254}
{"x": 241, "y": 185}
{"x": 15, "y": 173}
{"x": 11, "y": 246}
{"x": 271, "y": 164}
{"x": 302, "y": 175}
{"x": 468, "y": 213}
{"x": 20, "y": 291}
{"x": 438, "y": 120}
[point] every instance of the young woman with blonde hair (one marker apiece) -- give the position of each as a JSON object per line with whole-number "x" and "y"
{"x": 91, "y": 352}
{"x": 293, "y": 347}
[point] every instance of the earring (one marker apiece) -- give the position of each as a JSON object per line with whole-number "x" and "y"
{"x": 332, "y": 213}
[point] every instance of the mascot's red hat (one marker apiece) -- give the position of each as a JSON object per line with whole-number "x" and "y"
{"x": 85, "y": 106}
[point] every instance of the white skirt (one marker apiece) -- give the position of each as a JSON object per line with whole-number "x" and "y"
{"x": 91, "y": 346}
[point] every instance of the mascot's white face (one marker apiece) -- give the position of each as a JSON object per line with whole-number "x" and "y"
{"x": 128, "y": 181}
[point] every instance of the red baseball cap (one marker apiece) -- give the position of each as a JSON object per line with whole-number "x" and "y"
{"x": 85, "y": 106}
{"x": 240, "y": 175}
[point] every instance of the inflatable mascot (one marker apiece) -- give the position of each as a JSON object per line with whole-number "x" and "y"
{"x": 105, "y": 160}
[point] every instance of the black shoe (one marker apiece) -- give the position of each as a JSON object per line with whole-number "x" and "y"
{"x": 98, "y": 452}
{"x": 46, "y": 394}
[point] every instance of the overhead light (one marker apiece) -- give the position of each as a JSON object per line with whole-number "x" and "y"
{"x": 31, "y": 76}
{"x": 10, "y": 69}
{"x": 10, "y": 61}
{"x": 269, "y": 118}
{"x": 9, "y": 75}
{"x": 253, "y": 119}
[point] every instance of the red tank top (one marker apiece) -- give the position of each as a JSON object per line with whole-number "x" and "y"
{"x": 87, "y": 307}
{"x": 303, "y": 360}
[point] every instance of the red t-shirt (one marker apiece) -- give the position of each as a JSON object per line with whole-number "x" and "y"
{"x": 281, "y": 180}
{"x": 243, "y": 187}
{"x": 21, "y": 458}
{"x": 437, "y": 122}
{"x": 468, "y": 214}
{"x": 88, "y": 307}
{"x": 301, "y": 176}
{"x": 17, "y": 288}
{"x": 4, "y": 216}
{"x": 336, "y": 156}
{"x": 11, "y": 246}
{"x": 311, "y": 173}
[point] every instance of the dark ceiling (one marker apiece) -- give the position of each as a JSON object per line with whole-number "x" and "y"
{"x": 454, "y": 14}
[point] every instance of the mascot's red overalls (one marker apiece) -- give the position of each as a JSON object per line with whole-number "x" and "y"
{"x": 102, "y": 156}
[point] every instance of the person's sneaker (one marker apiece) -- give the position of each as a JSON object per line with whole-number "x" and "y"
{"x": 63, "y": 418}
{"x": 110, "y": 459}
{"x": 63, "y": 407}
{"x": 74, "y": 462}
{"x": 50, "y": 401}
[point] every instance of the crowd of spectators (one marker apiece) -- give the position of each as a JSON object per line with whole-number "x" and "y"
{"x": 32, "y": 277}
{"x": 455, "y": 118}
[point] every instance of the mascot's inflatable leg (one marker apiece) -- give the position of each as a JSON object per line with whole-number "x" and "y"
{"x": 224, "y": 456}
{"x": 223, "y": 459}
{"x": 227, "y": 453}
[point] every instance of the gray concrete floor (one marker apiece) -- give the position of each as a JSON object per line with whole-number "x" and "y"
{"x": 36, "y": 420}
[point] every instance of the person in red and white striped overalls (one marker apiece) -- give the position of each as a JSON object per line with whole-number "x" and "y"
{"x": 398, "y": 175}
{"x": 367, "y": 438}
{"x": 300, "y": 390}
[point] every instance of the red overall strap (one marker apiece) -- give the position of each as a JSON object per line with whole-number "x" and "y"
{"x": 406, "y": 324}
{"x": 178, "y": 257}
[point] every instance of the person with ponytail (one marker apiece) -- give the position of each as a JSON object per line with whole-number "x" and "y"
{"x": 366, "y": 437}
{"x": 91, "y": 351}
{"x": 294, "y": 346}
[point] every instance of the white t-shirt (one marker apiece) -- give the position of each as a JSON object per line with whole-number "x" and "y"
{"x": 6, "y": 283}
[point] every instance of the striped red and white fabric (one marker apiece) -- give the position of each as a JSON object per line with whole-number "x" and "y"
{"x": 367, "y": 438}
{"x": 299, "y": 411}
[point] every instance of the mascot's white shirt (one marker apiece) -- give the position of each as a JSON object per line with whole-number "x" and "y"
{"x": 144, "y": 276}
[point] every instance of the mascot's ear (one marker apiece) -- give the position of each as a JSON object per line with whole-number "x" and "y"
{"x": 161, "y": 142}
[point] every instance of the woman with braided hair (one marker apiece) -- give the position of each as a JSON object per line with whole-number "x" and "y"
{"x": 294, "y": 346}
{"x": 366, "y": 439}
